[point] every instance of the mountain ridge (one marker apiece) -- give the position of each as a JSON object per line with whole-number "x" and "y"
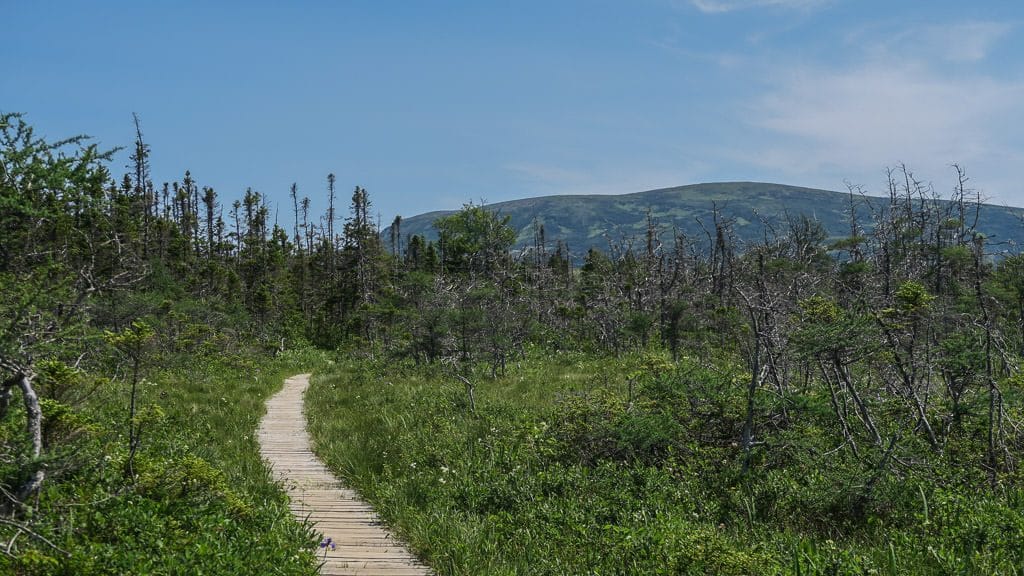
{"x": 593, "y": 220}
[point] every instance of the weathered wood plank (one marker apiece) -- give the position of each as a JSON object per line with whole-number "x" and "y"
{"x": 362, "y": 545}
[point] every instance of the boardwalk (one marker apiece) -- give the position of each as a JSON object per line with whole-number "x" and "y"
{"x": 362, "y": 545}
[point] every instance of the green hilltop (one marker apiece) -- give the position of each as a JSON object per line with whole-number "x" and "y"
{"x": 586, "y": 221}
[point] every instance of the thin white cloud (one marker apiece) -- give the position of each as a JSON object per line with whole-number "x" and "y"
{"x": 725, "y": 60}
{"x": 961, "y": 42}
{"x": 675, "y": 42}
{"x": 723, "y": 6}
{"x": 970, "y": 41}
{"x": 541, "y": 179}
{"x": 545, "y": 174}
{"x": 859, "y": 120}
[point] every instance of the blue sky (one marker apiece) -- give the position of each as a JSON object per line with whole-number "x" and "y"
{"x": 432, "y": 104}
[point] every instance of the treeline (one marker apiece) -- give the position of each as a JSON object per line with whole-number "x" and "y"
{"x": 907, "y": 313}
{"x": 907, "y": 325}
{"x": 133, "y": 371}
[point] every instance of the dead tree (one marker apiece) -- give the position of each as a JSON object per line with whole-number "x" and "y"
{"x": 21, "y": 377}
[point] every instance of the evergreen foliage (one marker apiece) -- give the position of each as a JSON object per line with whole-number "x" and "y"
{"x": 680, "y": 403}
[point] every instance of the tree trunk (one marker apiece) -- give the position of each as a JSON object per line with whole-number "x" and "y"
{"x": 33, "y": 425}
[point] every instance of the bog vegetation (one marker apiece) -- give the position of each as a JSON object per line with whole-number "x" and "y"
{"x": 802, "y": 404}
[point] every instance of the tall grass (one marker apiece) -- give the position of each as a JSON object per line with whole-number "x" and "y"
{"x": 564, "y": 468}
{"x": 201, "y": 500}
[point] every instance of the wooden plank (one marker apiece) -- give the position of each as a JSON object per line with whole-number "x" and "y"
{"x": 362, "y": 545}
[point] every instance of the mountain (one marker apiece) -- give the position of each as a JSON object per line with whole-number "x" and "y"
{"x": 586, "y": 221}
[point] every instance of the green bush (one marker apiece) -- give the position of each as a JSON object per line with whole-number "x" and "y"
{"x": 201, "y": 498}
{"x": 565, "y": 468}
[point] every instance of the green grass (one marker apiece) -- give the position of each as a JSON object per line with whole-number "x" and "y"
{"x": 494, "y": 492}
{"x": 202, "y": 502}
{"x": 558, "y": 472}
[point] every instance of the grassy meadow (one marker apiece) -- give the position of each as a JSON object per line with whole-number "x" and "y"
{"x": 200, "y": 500}
{"x": 564, "y": 467}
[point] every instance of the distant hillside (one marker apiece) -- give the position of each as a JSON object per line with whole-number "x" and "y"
{"x": 587, "y": 221}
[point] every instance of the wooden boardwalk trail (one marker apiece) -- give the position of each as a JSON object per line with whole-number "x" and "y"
{"x": 362, "y": 545}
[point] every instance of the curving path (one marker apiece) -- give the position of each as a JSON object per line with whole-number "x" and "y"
{"x": 362, "y": 545}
